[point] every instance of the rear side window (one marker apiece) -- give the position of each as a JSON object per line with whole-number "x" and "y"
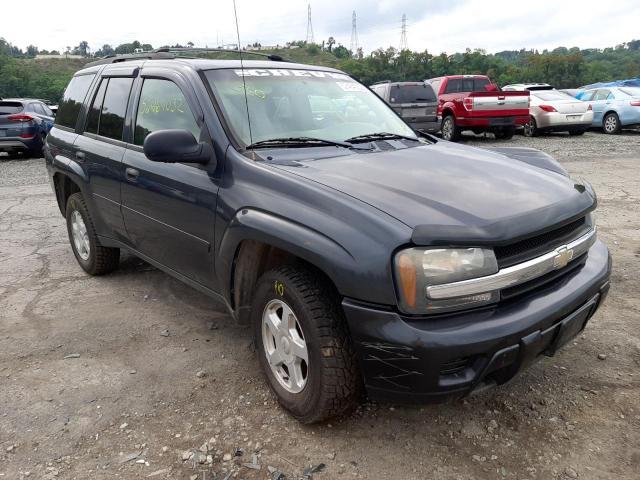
{"x": 601, "y": 95}
{"x": 474, "y": 84}
{"x": 7, "y": 108}
{"x": 94, "y": 112}
{"x": 586, "y": 96}
{"x": 453, "y": 85}
{"x": 163, "y": 106}
{"x": 412, "y": 93}
{"x": 36, "y": 107}
{"x": 72, "y": 100}
{"x": 106, "y": 116}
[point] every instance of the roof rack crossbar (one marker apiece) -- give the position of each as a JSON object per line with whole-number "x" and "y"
{"x": 169, "y": 53}
{"x": 270, "y": 56}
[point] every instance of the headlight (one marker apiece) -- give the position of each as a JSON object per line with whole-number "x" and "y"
{"x": 418, "y": 268}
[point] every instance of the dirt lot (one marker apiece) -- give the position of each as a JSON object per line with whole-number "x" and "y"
{"x": 154, "y": 369}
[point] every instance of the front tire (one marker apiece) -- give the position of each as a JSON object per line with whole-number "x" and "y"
{"x": 611, "y": 124}
{"x": 92, "y": 257}
{"x": 303, "y": 344}
{"x": 450, "y": 132}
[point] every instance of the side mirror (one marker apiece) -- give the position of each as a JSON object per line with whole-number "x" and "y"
{"x": 176, "y": 146}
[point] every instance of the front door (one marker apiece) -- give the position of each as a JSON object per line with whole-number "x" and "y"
{"x": 169, "y": 208}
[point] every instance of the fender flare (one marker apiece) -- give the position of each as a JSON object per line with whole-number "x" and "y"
{"x": 71, "y": 169}
{"x": 300, "y": 240}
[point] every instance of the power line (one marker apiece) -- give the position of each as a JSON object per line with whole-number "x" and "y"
{"x": 354, "y": 35}
{"x": 310, "y": 38}
{"x": 404, "y": 45}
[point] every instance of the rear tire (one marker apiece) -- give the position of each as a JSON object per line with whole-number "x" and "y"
{"x": 327, "y": 384}
{"x": 531, "y": 128}
{"x": 611, "y": 124}
{"x": 506, "y": 134}
{"x": 92, "y": 257}
{"x": 450, "y": 131}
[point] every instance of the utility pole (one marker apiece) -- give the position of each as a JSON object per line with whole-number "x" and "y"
{"x": 403, "y": 37}
{"x": 310, "y": 38}
{"x": 354, "y": 35}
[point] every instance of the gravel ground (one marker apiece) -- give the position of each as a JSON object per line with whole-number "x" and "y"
{"x": 134, "y": 375}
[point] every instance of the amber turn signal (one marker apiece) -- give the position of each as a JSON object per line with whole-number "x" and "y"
{"x": 408, "y": 281}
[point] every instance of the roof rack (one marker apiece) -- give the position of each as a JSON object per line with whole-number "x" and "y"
{"x": 170, "y": 53}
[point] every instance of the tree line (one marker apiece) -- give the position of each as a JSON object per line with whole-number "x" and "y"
{"x": 22, "y": 75}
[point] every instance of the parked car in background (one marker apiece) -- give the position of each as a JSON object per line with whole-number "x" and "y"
{"x": 614, "y": 108}
{"x": 24, "y": 123}
{"x": 555, "y": 111}
{"x": 415, "y": 102}
{"x": 527, "y": 86}
{"x": 472, "y": 102}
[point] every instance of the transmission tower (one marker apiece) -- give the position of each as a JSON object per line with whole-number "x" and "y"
{"x": 354, "y": 35}
{"x": 310, "y": 38}
{"x": 403, "y": 37}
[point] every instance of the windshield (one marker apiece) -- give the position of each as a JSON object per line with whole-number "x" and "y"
{"x": 412, "y": 93}
{"x": 285, "y": 103}
{"x": 631, "y": 91}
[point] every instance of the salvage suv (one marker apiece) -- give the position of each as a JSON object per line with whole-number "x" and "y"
{"x": 362, "y": 254}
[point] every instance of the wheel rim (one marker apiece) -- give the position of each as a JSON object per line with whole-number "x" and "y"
{"x": 447, "y": 128}
{"x": 79, "y": 234}
{"x": 284, "y": 346}
{"x": 529, "y": 128}
{"x": 610, "y": 123}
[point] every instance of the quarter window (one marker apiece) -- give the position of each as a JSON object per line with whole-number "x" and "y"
{"x": 72, "y": 100}
{"x": 163, "y": 106}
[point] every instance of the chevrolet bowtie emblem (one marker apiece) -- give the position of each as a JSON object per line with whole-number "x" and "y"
{"x": 563, "y": 256}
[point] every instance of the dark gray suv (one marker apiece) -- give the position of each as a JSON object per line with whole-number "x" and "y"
{"x": 415, "y": 102}
{"x": 360, "y": 253}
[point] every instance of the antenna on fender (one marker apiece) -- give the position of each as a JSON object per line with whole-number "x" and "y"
{"x": 244, "y": 83}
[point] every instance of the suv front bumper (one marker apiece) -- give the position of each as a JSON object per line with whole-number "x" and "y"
{"x": 431, "y": 359}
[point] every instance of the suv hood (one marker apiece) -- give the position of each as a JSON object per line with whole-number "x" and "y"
{"x": 453, "y": 193}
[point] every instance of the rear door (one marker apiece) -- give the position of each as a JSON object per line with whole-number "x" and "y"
{"x": 101, "y": 148}
{"x": 599, "y": 103}
{"x": 169, "y": 208}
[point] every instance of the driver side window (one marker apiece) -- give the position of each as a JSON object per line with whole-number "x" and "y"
{"x": 162, "y": 106}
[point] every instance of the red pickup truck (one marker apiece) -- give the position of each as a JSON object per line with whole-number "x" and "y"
{"x": 472, "y": 102}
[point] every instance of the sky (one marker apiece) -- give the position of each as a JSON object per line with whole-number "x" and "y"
{"x": 437, "y": 26}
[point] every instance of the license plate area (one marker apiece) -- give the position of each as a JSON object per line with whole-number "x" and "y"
{"x": 572, "y": 326}
{"x": 501, "y": 122}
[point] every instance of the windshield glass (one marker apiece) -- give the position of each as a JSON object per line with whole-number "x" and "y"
{"x": 286, "y": 103}
{"x": 412, "y": 93}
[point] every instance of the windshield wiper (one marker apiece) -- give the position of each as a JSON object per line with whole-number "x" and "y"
{"x": 379, "y": 136}
{"x": 298, "y": 142}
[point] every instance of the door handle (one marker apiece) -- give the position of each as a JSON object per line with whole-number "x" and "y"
{"x": 80, "y": 155}
{"x": 131, "y": 174}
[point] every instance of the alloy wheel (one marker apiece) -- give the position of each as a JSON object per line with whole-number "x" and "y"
{"x": 284, "y": 346}
{"x": 80, "y": 236}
